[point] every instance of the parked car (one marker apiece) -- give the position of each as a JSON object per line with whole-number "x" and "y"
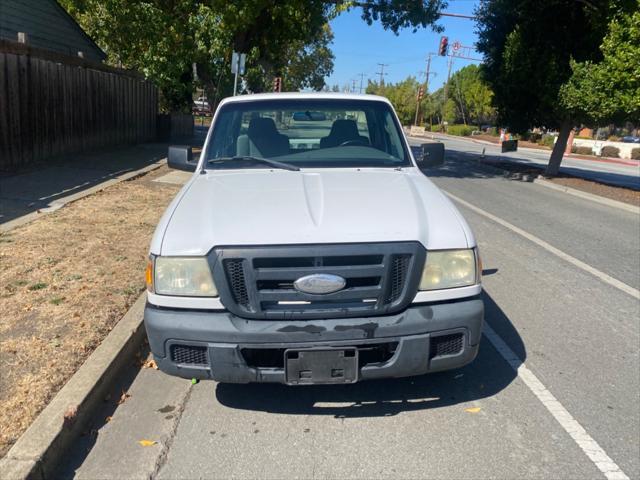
{"x": 631, "y": 139}
{"x": 201, "y": 105}
{"x": 333, "y": 261}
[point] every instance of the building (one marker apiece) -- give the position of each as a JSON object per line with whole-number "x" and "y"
{"x": 47, "y": 26}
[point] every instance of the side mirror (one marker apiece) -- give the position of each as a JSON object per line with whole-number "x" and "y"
{"x": 429, "y": 155}
{"x": 181, "y": 158}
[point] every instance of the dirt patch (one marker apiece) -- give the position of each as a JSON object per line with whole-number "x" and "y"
{"x": 620, "y": 194}
{"x": 527, "y": 173}
{"x": 65, "y": 281}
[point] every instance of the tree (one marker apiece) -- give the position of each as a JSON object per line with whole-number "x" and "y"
{"x": 287, "y": 38}
{"x": 528, "y": 48}
{"x": 471, "y": 96}
{"x": 609, "y": 91}
{"x": 164, "y": 39}
{"x": 403, "y": 95}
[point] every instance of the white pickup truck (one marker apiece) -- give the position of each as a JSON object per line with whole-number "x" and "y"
{"x": 309, "y": 247}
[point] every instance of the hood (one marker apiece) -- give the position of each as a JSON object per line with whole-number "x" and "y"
{"x": 278, "y": 207}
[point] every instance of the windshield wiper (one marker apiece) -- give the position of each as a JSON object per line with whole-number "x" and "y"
{"x": 273, "y": 163}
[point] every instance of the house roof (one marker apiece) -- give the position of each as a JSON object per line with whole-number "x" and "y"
{"x": 48, "y": 27}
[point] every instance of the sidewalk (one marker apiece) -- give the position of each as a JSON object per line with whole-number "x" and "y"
{"x": 44, "y": 186}
{"x": 36, "y": 189}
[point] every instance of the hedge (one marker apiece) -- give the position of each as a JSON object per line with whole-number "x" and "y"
{"x": 460, "y": 130}
{"x": 609, "y": 151}
{"x": 582, "y": 150}
{"x": 532, "y": 137}
{"x": 547, "y": 140}
{"x": 635, "y": 153}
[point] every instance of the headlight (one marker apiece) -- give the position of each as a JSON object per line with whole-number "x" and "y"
{"x": 449, "y": 269}
{"x": 183, "y": 276}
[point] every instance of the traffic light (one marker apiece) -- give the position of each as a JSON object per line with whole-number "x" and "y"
{"x": 444, "y": 46}
{"x": 277, "y": 84}
{"x": 420, "y": 93}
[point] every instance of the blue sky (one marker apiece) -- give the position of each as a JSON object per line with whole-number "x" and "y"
{"x": 358, "y": 48}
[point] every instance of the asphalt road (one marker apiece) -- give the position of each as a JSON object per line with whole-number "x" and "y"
{"x": 553, "y": 393}
{"x": 627, "y": 175}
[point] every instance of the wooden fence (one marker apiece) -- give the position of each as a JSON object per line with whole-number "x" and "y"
{"x": 52, "y": 105}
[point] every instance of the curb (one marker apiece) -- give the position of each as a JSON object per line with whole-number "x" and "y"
{"x": 589, "y": 196}
{"x": 61, "y": 202}
{"x": 37, "y": 452}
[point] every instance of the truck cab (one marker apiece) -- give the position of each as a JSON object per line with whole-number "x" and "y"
{"x": 309, "y": 247}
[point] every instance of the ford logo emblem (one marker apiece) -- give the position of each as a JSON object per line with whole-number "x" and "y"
{"x": 319, "y": 283}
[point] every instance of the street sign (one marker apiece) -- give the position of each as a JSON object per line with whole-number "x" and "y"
{"x": 243, "y": 58}
{"x": 234, "y": 62}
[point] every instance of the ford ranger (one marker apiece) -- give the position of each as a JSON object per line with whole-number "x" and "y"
{"x": 308, "y": 247}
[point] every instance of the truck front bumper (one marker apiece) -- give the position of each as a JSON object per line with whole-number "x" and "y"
{"x": 223, "y": 347}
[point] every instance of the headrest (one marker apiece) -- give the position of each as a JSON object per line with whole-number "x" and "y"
{"x": 344, "y": 128}
{"x": 260, "y": 127}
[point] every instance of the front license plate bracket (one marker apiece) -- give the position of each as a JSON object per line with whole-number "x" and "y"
{"x": 321, "y": 366}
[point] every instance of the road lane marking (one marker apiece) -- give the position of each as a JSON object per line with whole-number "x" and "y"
{"x": 585, "y": 442}
{"x": 550, "y": 248}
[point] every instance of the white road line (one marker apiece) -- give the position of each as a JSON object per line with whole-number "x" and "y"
{"x": 565, "y": 256}
{"x": 587, "y": 444}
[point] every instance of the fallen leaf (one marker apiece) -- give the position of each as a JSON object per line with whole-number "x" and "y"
{"x": 123, "y": 397}
{"x": 147, "y": 443}
{"x": 70, "y": 415}
{"x": 151, "y": 363}
{"x": 107, "y": 420}
{"x": 472, "y": 409}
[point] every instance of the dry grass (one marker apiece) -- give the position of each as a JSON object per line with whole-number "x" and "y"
{"x": 620, "y": 194}
{"x": 65, "y": 281}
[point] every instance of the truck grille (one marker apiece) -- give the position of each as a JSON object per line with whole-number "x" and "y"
{"x": 258, "y": 282}
{"x": 446, "y": 345}
{"x": 189, "y": 354}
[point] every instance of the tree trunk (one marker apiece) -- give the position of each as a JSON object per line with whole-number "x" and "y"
{"x": 558, "y": 149}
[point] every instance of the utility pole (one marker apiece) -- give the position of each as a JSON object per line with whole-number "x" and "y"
{"x": 427, "y": 73}
{"x": 381, "y": 72}
{"x": 446, "y": 85}
{"x": 425, "y": 88}
{"x": 361, "y": 80}
{"x": 353, "y": 85}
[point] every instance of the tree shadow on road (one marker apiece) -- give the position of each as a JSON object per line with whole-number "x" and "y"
{"x": 484, "y": 377}
{"x": 472, "y": 165}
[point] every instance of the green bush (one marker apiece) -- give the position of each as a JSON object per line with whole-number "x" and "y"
{"x": 436, "y": 128}
{"x": 459, "y": 130}
{"x": 532, "y": 137}
{"x": 609, "y": 151}
{"x": 582, "y": 150}
{"x": 547, "y": 140}
{"x": 635, "y": 153}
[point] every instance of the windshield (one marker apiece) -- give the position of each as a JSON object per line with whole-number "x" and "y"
{"x": 334, "y": 133}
